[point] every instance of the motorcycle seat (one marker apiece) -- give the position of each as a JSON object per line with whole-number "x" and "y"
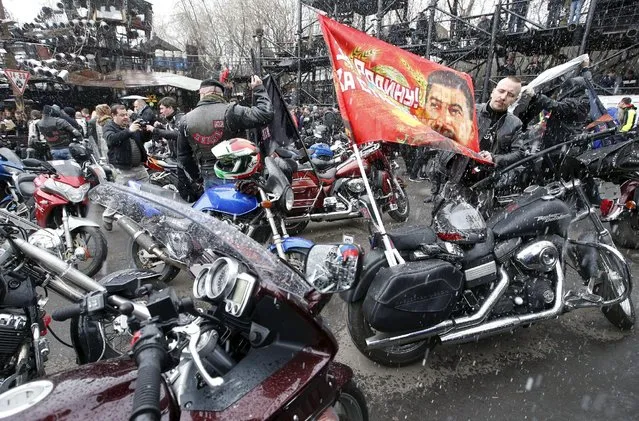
{"x": 25, "y": 184}
{"x": 410, "y": 238}
{"x": 328, "y": 175}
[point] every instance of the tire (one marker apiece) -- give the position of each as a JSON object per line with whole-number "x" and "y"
{"x": 403, "y": 204}
{"x": 625, "y": 232}
{"x": 398, "y": 356}
{"x": 166, "y": 271}
{"x": 351, "y": 404}
{"x": 621, "y": 315}
{"x": 296, "y": 257}
{"x": 295, "y": 228}
{"x": 96, "y": 255}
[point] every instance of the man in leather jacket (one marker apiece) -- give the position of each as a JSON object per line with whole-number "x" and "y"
{"x": 168, "y": 131}
{"x": 214, "y": 120}
{"x": 57, "y": 132}
{"x": 499, "y": 130}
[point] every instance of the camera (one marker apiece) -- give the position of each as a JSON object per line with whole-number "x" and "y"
{"x": 141, "y": 122}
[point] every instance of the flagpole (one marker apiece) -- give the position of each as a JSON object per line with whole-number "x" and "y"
{"x": 392, "y": 255}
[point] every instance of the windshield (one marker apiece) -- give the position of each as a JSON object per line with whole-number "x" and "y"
{"x": 190, "y": 234}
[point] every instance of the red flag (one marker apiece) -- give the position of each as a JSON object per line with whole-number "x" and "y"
{"x": 388, "y": 94}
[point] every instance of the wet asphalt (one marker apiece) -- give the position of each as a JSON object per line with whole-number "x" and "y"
{"x": 577, "y": 367}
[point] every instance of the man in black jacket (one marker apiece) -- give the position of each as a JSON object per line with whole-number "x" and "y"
{"x": 168, "y": 131}
{"x": 57, "y": 132}
{"x": 126, "y": 152}
{"x": 214, "y": 120}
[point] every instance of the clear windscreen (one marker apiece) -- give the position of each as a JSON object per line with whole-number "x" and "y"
{"x": 190, "y": 234}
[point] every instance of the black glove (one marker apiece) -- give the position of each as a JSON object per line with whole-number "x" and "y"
{"x": 249, "y": 187}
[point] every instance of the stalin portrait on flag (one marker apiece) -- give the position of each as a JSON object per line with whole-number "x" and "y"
{"x": 391, "y": 95}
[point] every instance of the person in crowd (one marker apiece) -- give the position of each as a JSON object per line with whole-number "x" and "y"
{"x": 575, "y": 11}
{"x": 515, "y": 23}
{"x": 509, "y": 68}
{"x": 168, "y": 131}
{"x": 60, "y": 113}
{"x": 82, "y": 122}
{"x": 608, "y": 80}
{"x": 102, "y": 117}
{"x": 33, "y": 134}
{"x": 535, "y": 66}
{"x": 449, "y": 106}
{"x": 555, "y": 8}
{"x": 85, "y": 114}
{"x": 214, "y": 120}
{"x": 126, "y": 153}
{"x": 626, "y": 114}
{"x": 142, "y": 111}
{"x": 57, "y": 132}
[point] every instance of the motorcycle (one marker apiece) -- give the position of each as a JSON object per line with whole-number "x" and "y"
{"x": 467, "y": 278}
{"x": 256, "y": 215}
{"x": 233, "y": 361}
{"x": 29, "y": 264}
{"x": 334, "y": 194}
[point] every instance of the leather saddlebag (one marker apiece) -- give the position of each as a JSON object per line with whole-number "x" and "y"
{"x": 412, "y": 296}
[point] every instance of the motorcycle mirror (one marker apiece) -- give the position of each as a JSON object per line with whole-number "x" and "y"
{"x": 333, "y": 268}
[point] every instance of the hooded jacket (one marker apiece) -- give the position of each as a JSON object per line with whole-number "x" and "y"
{"x": 629, "y": 118}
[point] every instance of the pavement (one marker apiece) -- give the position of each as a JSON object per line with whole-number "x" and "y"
{"x": 576, "y": 367}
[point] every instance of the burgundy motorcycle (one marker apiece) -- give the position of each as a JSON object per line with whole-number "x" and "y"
{"x": 259, "y": 351}
{"x": 333, "y": 193}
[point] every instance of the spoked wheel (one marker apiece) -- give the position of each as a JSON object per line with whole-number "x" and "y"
{"x": 351, "y": 404}
{"x": 403, "y": 206}
{"x": 294, "y": 228}
{"x": 360, "y": 329}
{"x": 142, "y": 259}
{"x": 90, "y": 249}
{"x": 621, "y": 315}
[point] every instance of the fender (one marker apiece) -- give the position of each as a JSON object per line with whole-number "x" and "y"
{"x": 627, "y": 191}
{"x": 293, "y": 242}
{"x": 75, "y": 222}
{"x": 373, "y": 262}
{"x": 340, "y": 373}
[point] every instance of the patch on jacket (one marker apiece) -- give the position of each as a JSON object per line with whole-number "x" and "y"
{"x": 214, "y": 137}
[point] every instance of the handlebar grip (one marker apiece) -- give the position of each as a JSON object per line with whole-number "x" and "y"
{"x": 149, "y": 354}
{"x": 65, "y": 313}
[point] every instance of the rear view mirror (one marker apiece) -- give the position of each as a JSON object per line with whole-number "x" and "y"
{"x": 333, "y": 268}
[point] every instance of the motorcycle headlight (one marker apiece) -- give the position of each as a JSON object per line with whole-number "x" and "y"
{"x": 286, "y": 200}
{"x": 72, "y": 194}
{"x": 46, "y": 239}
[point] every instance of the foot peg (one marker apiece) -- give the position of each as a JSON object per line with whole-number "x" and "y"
{"x": 582, "y": 299}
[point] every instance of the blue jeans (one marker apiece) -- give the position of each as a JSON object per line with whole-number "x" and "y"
{"x": 61, "y": 153}
{"x": 575, "y": 11}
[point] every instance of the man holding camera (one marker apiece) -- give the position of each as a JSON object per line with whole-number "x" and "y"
{"x": 126, "y": 152}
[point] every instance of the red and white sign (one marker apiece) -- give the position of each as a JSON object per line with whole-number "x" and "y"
{"x": 18, "y": 78}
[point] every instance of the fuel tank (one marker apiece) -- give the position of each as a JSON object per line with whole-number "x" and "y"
{"x": 531, "y": 216}
{"x": 225, "y": 199}
{"x": 351, "y": 169}
{"x": 92, "y": 392}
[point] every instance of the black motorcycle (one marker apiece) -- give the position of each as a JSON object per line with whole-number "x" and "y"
{"x": 466, "y": 278}
{"x": 27, "y": 274}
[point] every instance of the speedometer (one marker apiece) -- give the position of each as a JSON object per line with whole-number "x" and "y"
{"x": 199, "y": 285}
{"x": 221, "y": 277}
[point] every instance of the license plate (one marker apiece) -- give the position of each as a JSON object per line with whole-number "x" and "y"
{"x": 348, "y": 239}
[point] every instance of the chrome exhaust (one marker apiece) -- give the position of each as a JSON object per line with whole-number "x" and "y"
{"x": 330, "y": 216}
{"x": 509, "y": 323}
{"x": 384, "y": 340}
{"x": 67, "y": 272}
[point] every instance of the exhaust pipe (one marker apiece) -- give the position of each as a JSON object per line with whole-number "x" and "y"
{"x": 385, "y": 339}
{"x": 145, "y": 240}
{"x": 330, "y": 216}
{"x": 67, "y": 272}
{"x": 509, "y": 323}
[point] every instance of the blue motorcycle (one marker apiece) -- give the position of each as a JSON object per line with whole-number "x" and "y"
{"x": 258, "y": 216}
{"x": 16, "y": 182}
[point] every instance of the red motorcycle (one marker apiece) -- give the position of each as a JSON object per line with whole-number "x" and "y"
{"x": 258, "y": 352}
{"x": 61, "y": 204}
{"x": 333, "y": 193}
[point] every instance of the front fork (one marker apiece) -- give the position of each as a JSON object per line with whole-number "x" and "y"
{"x": 67, "y": 230}
{"x": 278, "y": 241}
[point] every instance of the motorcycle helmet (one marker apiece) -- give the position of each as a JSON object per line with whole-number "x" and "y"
{"x": 321, "y": 151}
{"x": 236, "y": 159}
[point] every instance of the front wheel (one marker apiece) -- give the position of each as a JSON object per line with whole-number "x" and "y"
{"x": 625, "y": 232}
{"x": 351, "y": 404}
{"x": 395, "y": 356}
{"x": 93, "y": 244}
{"x": 144, "y": 260}
{"x": 403, "y": 206}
